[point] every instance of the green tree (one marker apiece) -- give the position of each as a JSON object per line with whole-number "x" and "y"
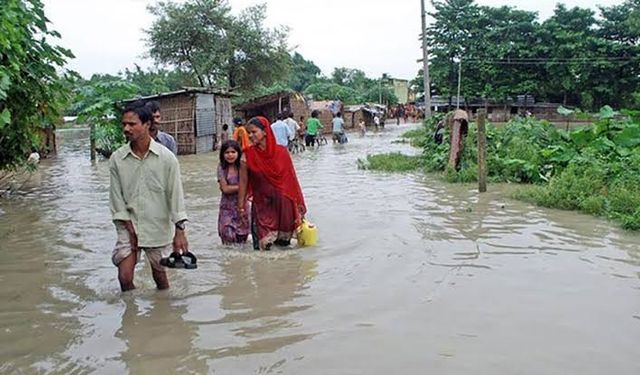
{"x": 619, "y": 30}
{"x": 32, "y": 91}
{"x": 331, "y": 91}
{"x": 568, "y": 34}
{"x": 303, "y": 72}
{"x": 572, "y": 57}
{"x": 96, "y": 103}
{"x": 153, "y": 82}
{"x": 220, "y": 49}
{"x": 449, "y": 38}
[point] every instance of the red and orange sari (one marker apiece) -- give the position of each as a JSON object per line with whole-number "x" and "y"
{"x": 273, "y": 187}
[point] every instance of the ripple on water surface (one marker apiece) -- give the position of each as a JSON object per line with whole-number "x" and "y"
{"x": 409, "y": 270}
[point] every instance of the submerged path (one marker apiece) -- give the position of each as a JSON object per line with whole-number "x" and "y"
{"x": 411, "y": 276}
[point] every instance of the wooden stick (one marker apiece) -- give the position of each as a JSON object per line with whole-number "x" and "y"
{"x": 482, "y": 152}
{"x": 92, "y": 141}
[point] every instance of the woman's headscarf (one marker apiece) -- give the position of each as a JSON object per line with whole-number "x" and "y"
{"x": 274, "y": 162}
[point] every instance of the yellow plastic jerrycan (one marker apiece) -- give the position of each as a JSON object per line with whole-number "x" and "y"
{"x": 307, "y": 234}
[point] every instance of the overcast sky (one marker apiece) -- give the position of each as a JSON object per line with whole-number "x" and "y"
{"x": 376, "y": 36}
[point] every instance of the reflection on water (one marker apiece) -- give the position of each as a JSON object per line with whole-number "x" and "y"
{"x": 411, "y": 274}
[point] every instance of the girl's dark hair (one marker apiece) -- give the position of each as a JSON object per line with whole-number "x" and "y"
{"x": 234, "y": 145}
{"x": 256, "y": 121}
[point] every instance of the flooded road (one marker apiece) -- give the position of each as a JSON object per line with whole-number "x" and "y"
{"x": 411, "y": 276}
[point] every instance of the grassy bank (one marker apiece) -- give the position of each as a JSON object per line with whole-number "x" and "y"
{"x": 594, "y": 169}
{"x": 392, "y": 162}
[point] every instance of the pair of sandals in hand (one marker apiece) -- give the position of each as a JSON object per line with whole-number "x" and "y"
{"x": 176, "y": 260}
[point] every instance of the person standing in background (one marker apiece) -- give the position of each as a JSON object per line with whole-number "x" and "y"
{"x": 240, "y": 133}
{"x": 338, "y": 128}
{"x": 281, "y": 130}
{"x": 158, "y": 135}
{"x": 293, "y": 127}
{"x": 313, "y": 126}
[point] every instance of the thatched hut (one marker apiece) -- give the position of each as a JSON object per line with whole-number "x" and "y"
{"x": 270, "y": 105}
{"x": 194, "y": 117}
{"x": 326, "y": 109}
{"x": 354, "y": 113}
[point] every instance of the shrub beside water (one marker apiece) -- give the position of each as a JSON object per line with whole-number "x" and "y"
{"x": 392, "y": 162}
{"x": 595, "y": 169}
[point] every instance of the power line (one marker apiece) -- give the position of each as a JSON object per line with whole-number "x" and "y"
{"x": 562, "y": 58}
{"x": 556, "y": 61}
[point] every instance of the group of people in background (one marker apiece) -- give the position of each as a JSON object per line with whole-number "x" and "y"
{"x": 287, "y": 130}
{"x": 406, "y": 112}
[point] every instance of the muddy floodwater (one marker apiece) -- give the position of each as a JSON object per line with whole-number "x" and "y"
{"x": 411, "y": 276}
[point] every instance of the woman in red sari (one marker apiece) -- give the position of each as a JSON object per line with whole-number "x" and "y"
{"x": 268, "y": 179}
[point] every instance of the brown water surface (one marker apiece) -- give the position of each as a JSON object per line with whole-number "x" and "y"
{"x": 411, "y": 276}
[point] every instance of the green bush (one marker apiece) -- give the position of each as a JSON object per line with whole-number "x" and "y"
{"x": 595, "y": 169}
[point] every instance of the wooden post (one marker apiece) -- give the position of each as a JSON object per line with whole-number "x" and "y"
{"x": 482, "y": 152}
{"x": 92, "y": 140}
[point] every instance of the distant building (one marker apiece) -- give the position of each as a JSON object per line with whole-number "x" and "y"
{"x": 270, "y": 105}
{"x": 500, "y": 111}
{"x": 401, "y": 88}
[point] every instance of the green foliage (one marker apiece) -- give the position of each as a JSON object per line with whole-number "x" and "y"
{"x": 391, "y": 162}
{"x": 32, "y": 91}
{"x": 95, "y": 104}
{"x": 595, "y": 169}
{"x": 303, "y": 73}
{"x": 331, "y": 91}
{"x": 573, "y": 57}
{"x": 204, "y": 38}
{"x": 352, "y": 87}
{"x": 416, "y": 137}
{"x": 154, "y": 82}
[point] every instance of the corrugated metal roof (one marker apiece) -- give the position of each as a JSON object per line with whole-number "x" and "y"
{"x": 183, "y": 91}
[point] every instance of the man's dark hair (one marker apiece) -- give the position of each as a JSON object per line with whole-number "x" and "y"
{"x": 280, "y": 116}
{"x": 139, "y": 108}
{"x": 338, "y": 114}
{"x": 290, "y": 114}
{"x": 225, "y": 127}
{"x": 153, "y": 106}
{"x": 315, "y": 113}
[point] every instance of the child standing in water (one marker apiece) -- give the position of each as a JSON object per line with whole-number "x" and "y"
{"x": 231, "y": 227}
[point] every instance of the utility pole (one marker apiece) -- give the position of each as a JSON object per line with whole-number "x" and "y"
{"x": 425, "y": 62}
{"x": 482, "y": 151}
{"x": 459, "y": 83}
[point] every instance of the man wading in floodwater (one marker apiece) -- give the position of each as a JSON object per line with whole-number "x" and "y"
{"x": 146, "y": 200}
